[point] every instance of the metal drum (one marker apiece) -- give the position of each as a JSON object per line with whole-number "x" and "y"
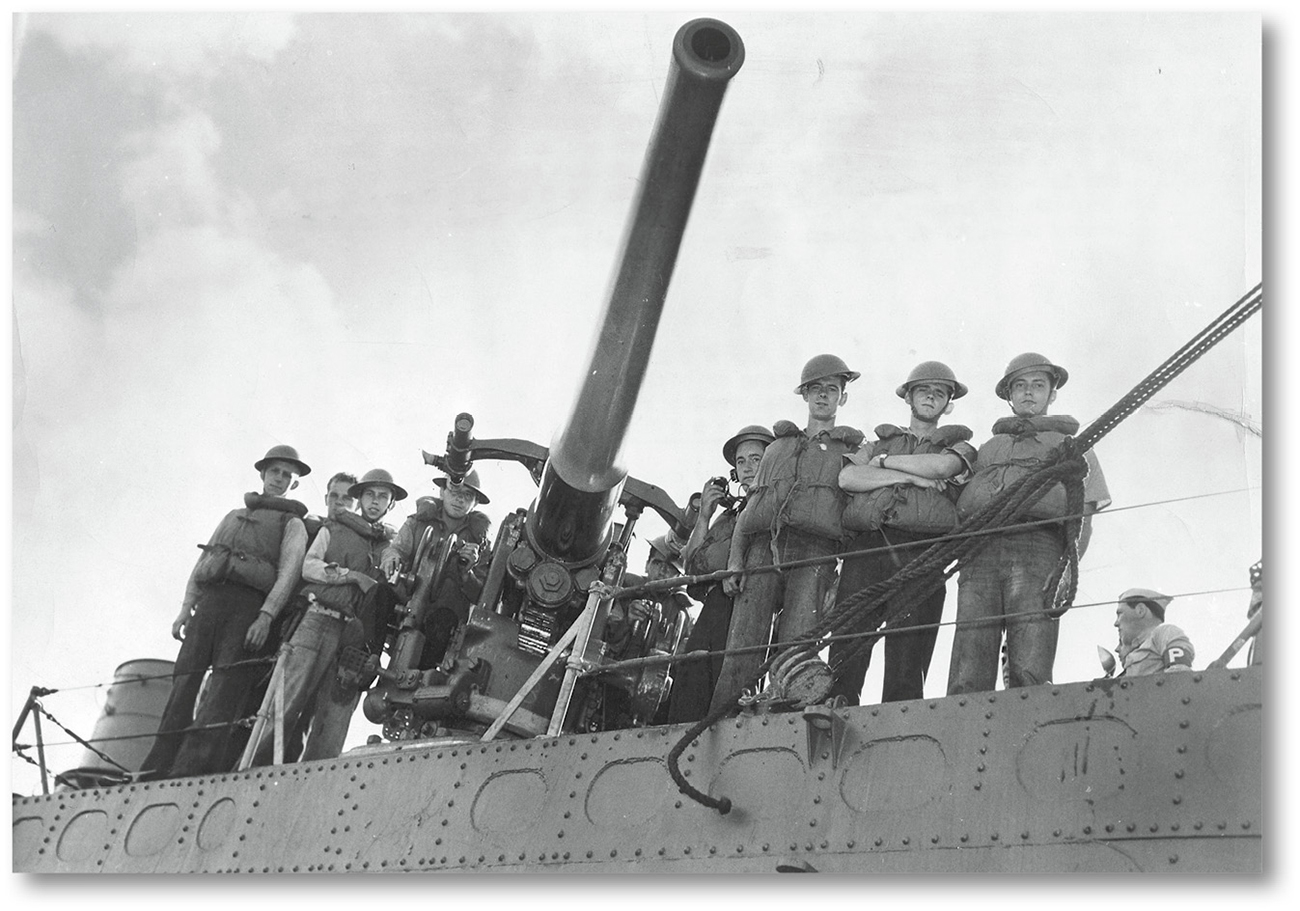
{"x": 132, "y": 712}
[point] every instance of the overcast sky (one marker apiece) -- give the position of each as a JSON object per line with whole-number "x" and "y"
{"x": 338, "y": 231}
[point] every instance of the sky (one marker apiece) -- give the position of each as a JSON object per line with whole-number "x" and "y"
{"x": 338, "y": 231}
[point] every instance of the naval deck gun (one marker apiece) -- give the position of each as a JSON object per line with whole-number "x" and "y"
{"x": 554, "y": 564}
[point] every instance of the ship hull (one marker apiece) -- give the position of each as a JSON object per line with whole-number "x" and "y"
{"x": 1157, "y": 774}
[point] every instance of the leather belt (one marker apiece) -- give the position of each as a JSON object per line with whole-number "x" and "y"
{"x": 316, "y": 608}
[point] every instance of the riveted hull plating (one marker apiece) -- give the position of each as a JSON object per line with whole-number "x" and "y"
{"x": 1160, "y": 773}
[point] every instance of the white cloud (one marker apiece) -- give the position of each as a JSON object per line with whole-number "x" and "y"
{"x": 172, "y": 179}
{"x": 182, "y": 43}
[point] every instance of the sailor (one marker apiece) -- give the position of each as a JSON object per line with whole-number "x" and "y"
{"x": 239, "y": 585}
{"x": 341, "y": 569}
{"x": 450, "y": 513}
{"x": 337, "y": 499}
{"x": 638, "y": 627}
{"x": 706, "y": 551}
{"x": 1147, "y": 644}
{"x": 793, "y": 513}
{"x": 1002, "y": 585}
{"x": 1255, "y": 655}
{"x": 902, "y": 490}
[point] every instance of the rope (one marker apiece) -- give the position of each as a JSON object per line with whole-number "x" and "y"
{"x": 936, "y": 564}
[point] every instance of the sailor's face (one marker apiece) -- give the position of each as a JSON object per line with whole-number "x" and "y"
{"x": 824, "y": 397}
{"x": 375, "y": 503}
{"x": 1128, "y": 618}
{"x": 338, "y": 500}
{"x": 1031, "y": 393}
{"x": 458, "y": 501}
{"x": 928, "y": 400}
{"x": 749, "y": 455}
{"x": 278, "y": 478}
{"x": 656, "y": 568}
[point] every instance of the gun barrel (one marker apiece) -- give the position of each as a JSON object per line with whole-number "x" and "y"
{"x": 580, "y": 487}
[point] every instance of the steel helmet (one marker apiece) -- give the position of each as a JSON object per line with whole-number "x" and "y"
{"x": 376, "y": 477}
{"x": 822, "y": 366}
{"x": 1024, "y": 363}
{"x": 1154, "y": 601}
{"x": 471, "y": 481}
{"x": 932, "y": 372}
{"x": 751, "y": 432}
{"x": 284, "y": 454}
{"x": 664, "y": 551}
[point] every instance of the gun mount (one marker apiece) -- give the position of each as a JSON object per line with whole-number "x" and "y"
{"x": 553, "y": 563}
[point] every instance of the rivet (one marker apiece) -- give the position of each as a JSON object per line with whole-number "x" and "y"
{"x": 1222, "y": 826}
{"x": 1024, "y": 694}
{"x": 1173, "y": 858}
{"x": 713, "y": 849}
{"x": 1178, "y": 774}
{"x": 1186, "y": 700}
{"x": 1178, "y": 800}
{"x": 880, "y": 841}
{"x": 850, "y": 845}
{"x": 1182, "y": 724}
{"x": 686, "y": 850}
{"x": 961, "y": 701}
{"x": 964, "y": 838}
{"x": 1024, "y": 834}
{"x": 902, "y": 708}
{"x": 1087, "y": 830}
{"x": 661, "y": 852}
{"x": 1246, "y": 824}
{"x": 875, "y": 712}
{"x": 994, "y": 836}
{"x": 1109, "y": 827}
{"x": 906, "y": 840}
{"x": 978, "y": 785}
{"x": 934, "y": 839}
{"x": 817, "y": 800}
{"x": 1182, "y": 749}
{"x": 1174, "y": 827}
{"x": 1131, "y": 826}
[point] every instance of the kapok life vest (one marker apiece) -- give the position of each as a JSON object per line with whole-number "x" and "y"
{"x": 355, "y": 545}
{"x": 711, "y": 555}
{"x": 1018, "y": 446}
{"x": 245, "y": 548}
{"x": 798, "y": 483}
{"x": 917, "y": 509}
